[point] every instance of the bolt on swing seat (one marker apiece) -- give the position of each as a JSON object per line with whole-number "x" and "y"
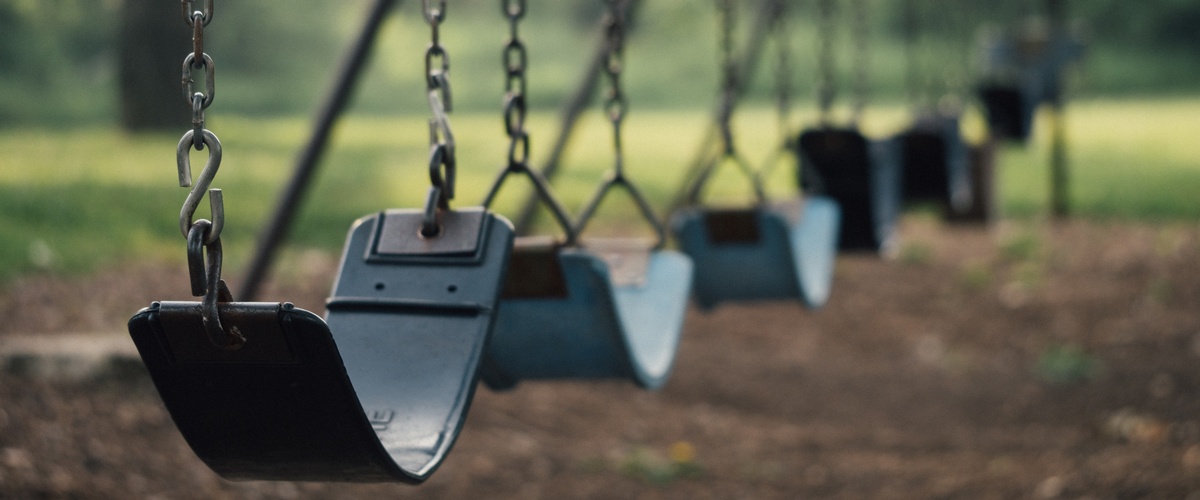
{"x": 610, "y": 308}
{"x": 935, "y": 163}
{"x": 376, "y": 392}
{"x": 782, "y": 250}
{"x": 862, "y": 176}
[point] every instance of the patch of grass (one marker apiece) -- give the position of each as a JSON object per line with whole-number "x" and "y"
{"x": 975, "y": 276}
{"x": 649, "y": 465}
{"x": 1128, "y": 159}
{"x": 1021, "y": 247}
{"x": 1160, "y": 290}
{"x": 72, "y": 200}
{"x": 916, "y": 253}
{"x": 1066, "y": 364}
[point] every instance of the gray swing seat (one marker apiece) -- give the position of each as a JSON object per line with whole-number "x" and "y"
{"x": 377, "y": 391}
{"x": 611, "y": 309}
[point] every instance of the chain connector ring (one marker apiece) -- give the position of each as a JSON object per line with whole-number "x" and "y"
{"x": 206, "y": 11}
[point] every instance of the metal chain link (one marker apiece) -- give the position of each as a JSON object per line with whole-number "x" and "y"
{"x": 783, "y": 70}
{"x": 910, "y": 28}
{"x": 203, "y": 236}
{"x": 515, "y": 61}
{"x": 615, "y": 107}
{"x": 729, "y": 77}
{"x": 726, "y": 13}
{"x": 862, "y": 58}
{"x": 826, "y": 70}
{"x": 614, "y": 103}
{"x": 442, "y": 157}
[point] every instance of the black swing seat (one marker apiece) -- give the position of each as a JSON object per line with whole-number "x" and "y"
{"x": 378, "y": 391}
{"x": 862, "y": 176}
{"x": 982, "y": 210}
{"x": 1009, "y": 110}
{"x": 936, "y": 163}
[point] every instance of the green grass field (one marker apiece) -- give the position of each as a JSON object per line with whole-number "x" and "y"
{"x": 74, "y": 200}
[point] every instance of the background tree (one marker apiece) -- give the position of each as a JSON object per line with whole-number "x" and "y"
{"x": 151, "y": 44}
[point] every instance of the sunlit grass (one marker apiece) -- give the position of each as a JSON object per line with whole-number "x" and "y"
{"x": 95, "y": 196}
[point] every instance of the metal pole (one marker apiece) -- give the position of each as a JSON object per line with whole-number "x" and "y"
{"x": 1059, "y": 175}
{"x": 309, "y": 159}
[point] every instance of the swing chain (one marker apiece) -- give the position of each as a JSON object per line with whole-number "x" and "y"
{"x": 729, "y": 77}
{"x": 862, "y": 57}
{"x": 726, "y": 11}
{"x": 205, "y": 258}
{"x": 783, "y": 72}
{"x": 515, "y": 61}
{"x": 189, "y": 13}
{"x": 614, "y": 103}
{"x": 826, "y": 89}
{"x": 615, "y": 106}
{"x": 437, "y": 76}
{"x": 442, "y": 157}
{"x": 203, "y": 236}
{"x": 198, "y": 59}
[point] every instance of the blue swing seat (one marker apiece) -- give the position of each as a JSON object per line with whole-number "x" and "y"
{"x": 603, "y": 311}
{"x": 780, "y": 251}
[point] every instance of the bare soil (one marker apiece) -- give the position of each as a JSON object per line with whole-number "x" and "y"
{"x": 1030, "y": 360}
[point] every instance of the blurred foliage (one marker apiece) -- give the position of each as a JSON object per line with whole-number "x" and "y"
{"x": 277, "y": 58}
{"x": 72, "y": 200}
{"x": 1067, "y": 364}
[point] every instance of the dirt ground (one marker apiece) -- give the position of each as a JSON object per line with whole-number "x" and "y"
{"x": 1030, "y": 360}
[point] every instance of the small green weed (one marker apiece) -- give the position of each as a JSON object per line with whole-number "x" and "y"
{"x": 1067, "y": 364}
{"x": 975, "y": 276}
{"x": 1160, "y": 290}
{"x": 1021, "y": 247}
{"x": 648, "y": 465}
{"x": 916, "y": 253}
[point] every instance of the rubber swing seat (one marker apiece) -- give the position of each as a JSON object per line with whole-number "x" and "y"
{"x": 611, "y": 309}
{"x": 377, "y": 391}
{"x": 766, "y": 252}
{"x": 862, "y": 176}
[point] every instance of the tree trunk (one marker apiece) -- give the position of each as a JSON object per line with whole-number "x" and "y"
{"x": 152, "y": 43}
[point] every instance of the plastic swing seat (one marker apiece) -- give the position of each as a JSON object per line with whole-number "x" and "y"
{"x": 376, "y": 392}
{"x": 862, "y": 176}
{"x": 609, "y": 310}
{"x": 1008, "y": 110}
{"x": 777, "y": 251}
{"x": 982, "y": 160}
{"x": 936, "y": 163}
